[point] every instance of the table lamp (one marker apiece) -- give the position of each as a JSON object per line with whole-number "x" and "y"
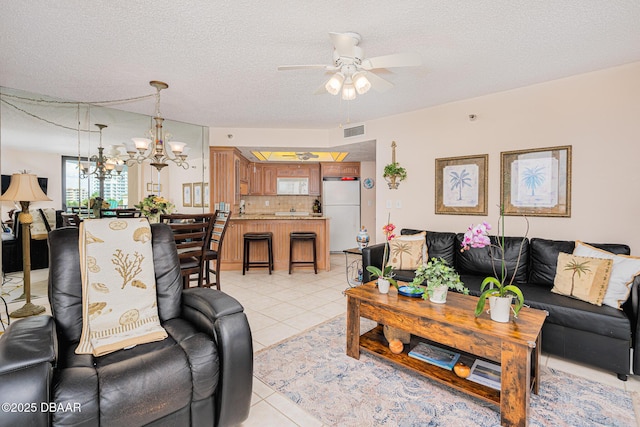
{"x": 24, "y": 188}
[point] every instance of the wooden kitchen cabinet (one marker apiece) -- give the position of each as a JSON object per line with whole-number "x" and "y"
{"x": 228, "y": 176}
{"x": 351, "y": 169}
{"x": 245, "y": 173}
{"x": 242, "y": 171}
{"x": 222, "y": 176}
{"x": 269, "y": 180}
{"x": 314, "y": 179}
{"x": 281, "y": 228}
{"x": 232, "y": 250}
{"x": 294, "y": 171}
{"x": 256, "y": 179}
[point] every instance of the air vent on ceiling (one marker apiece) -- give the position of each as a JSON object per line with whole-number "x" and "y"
{"x": 354, "y": 131}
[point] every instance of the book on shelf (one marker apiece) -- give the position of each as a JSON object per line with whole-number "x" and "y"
{"x": 434, "y": 355}
{"x": 485, "y": 373}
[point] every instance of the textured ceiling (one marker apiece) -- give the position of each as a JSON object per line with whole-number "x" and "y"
{"x": 220, "y": 57}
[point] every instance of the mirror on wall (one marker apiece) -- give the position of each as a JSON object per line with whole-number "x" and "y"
{"x": 48, "y": 137}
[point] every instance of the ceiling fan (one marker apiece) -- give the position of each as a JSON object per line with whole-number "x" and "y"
{"x": 352, "y": 71}
{"x": 302, "y": 156}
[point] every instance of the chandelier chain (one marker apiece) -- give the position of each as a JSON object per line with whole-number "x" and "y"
{"x": 52, "y": 101}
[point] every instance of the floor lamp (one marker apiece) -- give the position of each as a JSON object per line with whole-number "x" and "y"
{"x": 24, "y": 188}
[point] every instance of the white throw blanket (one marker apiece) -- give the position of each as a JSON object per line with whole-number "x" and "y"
{"x": 118, "y": 286}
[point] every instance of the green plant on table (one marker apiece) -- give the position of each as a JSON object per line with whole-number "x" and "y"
{"x": 476, "y": 237}
{"x": 437, "y": 272}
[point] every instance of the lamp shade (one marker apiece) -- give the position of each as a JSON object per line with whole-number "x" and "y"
{"x": 361, "y": 83}
{"x": 348, "y": 92}
{"x": 141, "y": 143}
{"x": 177, "y": 147}
{"x": 24, "y": 187}
{"x": 335, "y": 83}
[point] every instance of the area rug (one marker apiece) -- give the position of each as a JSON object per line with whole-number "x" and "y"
{"x": 14, "y": 293}
{"x": 313, "y": 371}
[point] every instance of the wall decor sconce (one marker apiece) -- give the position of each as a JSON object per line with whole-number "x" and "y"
{"x": 393, "y": 172}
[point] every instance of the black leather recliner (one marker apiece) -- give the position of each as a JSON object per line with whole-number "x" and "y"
{"x": 200, "y": 375}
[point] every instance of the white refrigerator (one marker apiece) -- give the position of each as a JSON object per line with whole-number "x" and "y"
{"x": 341, "y": 203}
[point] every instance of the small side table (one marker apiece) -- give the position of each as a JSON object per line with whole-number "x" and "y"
{"x": 353, "y": 260}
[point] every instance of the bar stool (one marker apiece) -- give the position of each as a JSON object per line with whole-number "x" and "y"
{"x": 303, "y": 236}
{"x": 257, "y": 237}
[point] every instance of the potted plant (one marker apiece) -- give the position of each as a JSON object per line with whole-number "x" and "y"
{"x": 500, "y": 292}
{"x": 440, "y": 277}
{"x": 385, "y": 274}
{"x": 154, "y": 206}
{"x": 393, "y": 174}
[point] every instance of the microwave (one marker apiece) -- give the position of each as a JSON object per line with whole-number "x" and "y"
{"x": 292, "y": 186}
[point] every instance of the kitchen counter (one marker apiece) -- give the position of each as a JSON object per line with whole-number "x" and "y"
{"x": 273, "y": 216}
{"x": 281, "y": 226}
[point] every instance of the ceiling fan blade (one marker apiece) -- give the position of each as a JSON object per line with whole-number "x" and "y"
{"x": 321, "y": 90}
{"x": 390, "y": 61}
{"x": 378, "y": 83}
{"x": 303, "y": 67}
{"x": 343, "y": 43}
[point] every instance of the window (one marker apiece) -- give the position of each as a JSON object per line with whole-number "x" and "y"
{"x": 76, "y": 191}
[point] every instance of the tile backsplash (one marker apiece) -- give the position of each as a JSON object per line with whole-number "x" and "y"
{"x": 258, "y": 204}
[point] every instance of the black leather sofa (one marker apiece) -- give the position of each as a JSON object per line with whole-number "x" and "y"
{"x": 201, "y": 375}
{"x": 601, "y": 336}
{"x": 12, "y": 248}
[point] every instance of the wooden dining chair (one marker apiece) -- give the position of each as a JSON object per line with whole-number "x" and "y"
{"x": 70, "y": 219}
{"x": 192, "y": 234}
{"x": 128, "y": 213}
{"x": 213, "y": 251}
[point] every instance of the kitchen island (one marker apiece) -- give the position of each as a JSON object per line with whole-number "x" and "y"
{"x": 281, "y": 226}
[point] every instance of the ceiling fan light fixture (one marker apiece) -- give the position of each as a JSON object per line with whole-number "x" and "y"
{"x": 335, "y": 83}
{"x": 348, "y": 92}
{"x": 361, "y": 83}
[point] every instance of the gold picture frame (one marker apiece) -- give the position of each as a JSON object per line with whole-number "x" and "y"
{"x": 536, "y": 182}
{"x": 461, "y": 185}
{"x": 186, "y": 195}
{"x": 197, "y": 194}
{"x": 205, "y": 194}
{"x": 154, "y": 188}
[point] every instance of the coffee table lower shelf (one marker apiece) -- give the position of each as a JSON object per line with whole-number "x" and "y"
{"x": 374, "y": 342}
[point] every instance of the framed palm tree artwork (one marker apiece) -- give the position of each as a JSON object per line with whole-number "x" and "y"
{"x": 461, "y": 185}
{"x": 536, "y": 182}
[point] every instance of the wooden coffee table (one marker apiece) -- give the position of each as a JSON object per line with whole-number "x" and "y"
{"x": 514, "y": 345}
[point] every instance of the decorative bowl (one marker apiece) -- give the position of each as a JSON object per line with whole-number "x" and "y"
{"x": 408, "y": 291}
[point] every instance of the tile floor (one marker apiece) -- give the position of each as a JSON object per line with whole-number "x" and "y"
{"x": 281, "y": 305}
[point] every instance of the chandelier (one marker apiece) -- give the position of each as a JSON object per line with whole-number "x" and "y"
{"x": 142, "y": 148}
{"x": 102, "y": 165}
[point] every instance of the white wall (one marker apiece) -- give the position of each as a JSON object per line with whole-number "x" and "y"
{"x": 368, "y": 198}
{"x": 597, "y": 113}
{"x": 243, "y": 137}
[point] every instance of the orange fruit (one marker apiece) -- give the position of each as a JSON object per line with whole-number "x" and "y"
{"x": 396, "y": 346}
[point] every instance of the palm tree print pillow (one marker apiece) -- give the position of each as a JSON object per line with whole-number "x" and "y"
{"x": 584, "y": 278}
{"x": 408, "y": 252}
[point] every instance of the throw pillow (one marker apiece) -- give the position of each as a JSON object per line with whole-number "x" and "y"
{"x": 583, "y": 278}
{"x": 119, "y": 304}
{"x": 38, "y": 228}
{"x": 408, "y": 252}
{"x": 625, "y": 269}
